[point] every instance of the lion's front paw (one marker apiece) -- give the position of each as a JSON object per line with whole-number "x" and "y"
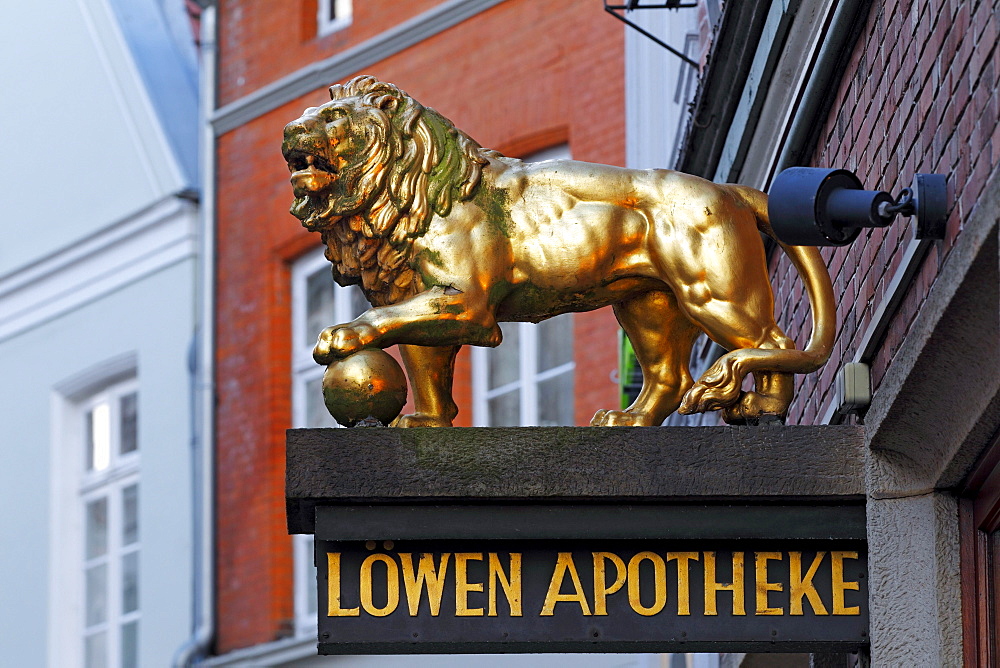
{"x": 612, "y": 418}
{"x": 341, "y": 341}
{"x": 421, "y": 420}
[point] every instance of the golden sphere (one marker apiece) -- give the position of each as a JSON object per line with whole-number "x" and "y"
{"x": 367, "y": 384}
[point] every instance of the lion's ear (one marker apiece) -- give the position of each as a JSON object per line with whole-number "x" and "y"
{"x": 387, "y": 102}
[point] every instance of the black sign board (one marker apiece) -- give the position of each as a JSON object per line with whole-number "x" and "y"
{"x": 454, "y": 580}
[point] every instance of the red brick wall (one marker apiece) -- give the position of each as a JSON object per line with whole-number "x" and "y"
{"x": 919, "y": 96}
{"x": 260, "y": 42}
{"x": 513, "y": 77}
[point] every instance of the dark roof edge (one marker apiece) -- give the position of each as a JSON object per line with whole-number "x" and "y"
{"x": 729, "y": 61}
{"x": 843, "y": 33}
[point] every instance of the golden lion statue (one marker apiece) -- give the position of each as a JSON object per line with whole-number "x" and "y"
{"x": 446, "y": 239}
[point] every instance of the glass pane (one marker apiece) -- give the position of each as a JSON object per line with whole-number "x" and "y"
{"x": 357, "y": 301}
{"x": 88, "y": 430}
{"x": 555, "y": 341}
{"x": 97, "y": 528}
{"x": 316, "y": 413}
{"x": 505, "y": 410}
{"x": 130, "y": 582}
{"x": 340, "y": 10}
{"x": 99, "y": 437}
{"x": 96, "y": 650}
{"x": 129, "y": 425}
{"x": 319, "y": 305}
{"x": 555, "y": 401}
{"x": 503, "y": 360}
{"x": 97, "y": 594}
{"x": 130, "y": 514}
{"x": 130, "y": 645}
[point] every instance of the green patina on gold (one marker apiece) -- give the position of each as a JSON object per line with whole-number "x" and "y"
{"x": 495, "y": 205}
{"x": 448, "y": 180}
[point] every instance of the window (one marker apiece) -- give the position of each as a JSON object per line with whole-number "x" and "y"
{"x": 317, "y": 303}
{"x": 333, "y": 15}
{"x": 108, "y": 501}
{"x": 527, "y": 379}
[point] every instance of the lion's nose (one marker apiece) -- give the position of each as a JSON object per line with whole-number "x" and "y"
{"x": 301, "y": 126}
{"x": 296, "y": 136}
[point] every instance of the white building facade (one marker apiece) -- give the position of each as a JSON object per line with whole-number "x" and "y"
{"x": 98, "y": 315}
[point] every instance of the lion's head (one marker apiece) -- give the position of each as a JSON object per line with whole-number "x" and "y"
{"x": 369, "y": 170}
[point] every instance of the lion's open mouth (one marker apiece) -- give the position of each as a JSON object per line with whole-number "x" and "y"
{"x": 310, "y": 173}
{"x": 312, "y": 177}
{"x": 299, "y": 161}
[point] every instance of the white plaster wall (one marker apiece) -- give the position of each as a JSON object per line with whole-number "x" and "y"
{"x": 82, "y": 147}
{"x": 154, "y": 319}
{"x": 96, "y": 261}
{"x": 658, "y": 85}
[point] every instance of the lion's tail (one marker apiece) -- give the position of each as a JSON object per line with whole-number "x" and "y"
{"x": 812, "y": 269}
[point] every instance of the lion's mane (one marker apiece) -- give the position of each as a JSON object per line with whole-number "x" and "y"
{"x": 415, "y": 163}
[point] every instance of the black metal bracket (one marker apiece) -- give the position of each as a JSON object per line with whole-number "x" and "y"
{"x": 813, "y": 206}
{"x": 632, "y": 5}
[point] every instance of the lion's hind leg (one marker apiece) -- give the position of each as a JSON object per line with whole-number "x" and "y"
{"x": 769, "y": 401}
{"x": 662, "y": 337}
{"x": 757, "y": 346}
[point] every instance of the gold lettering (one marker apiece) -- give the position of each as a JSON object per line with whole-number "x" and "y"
{"x": 659, "y": 583}
{"x": 712, "y": 587}
{"x": 763, "y": 586}
{"x": 839, "y": 586}
{"x": 333, "y": 608}
{"x": 564, "y": 564}
{"x": 511, "y": 585}
{"x": 683, "y": 579}
{"x": 601, "y": 588}
{"x": 463, "y": 586}
{"x": 803, "y": 586}
{"x": 391, "y": 588}
{"x": 426, "y": 576}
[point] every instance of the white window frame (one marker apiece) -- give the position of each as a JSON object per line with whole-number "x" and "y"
{"x": 122, "y": 471}
{"x": 73, "y": 487}
{"x": 528, "y": 377}
{"x": 304, "y": 367}
{"x": 305, "y": 370}
{"x": 344, "y": 11}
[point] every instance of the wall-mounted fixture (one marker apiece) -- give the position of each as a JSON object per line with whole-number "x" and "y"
{"x": 814, "y": 206}
{"x": 632, "y": 5}
{"x": 854, "y": 388}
